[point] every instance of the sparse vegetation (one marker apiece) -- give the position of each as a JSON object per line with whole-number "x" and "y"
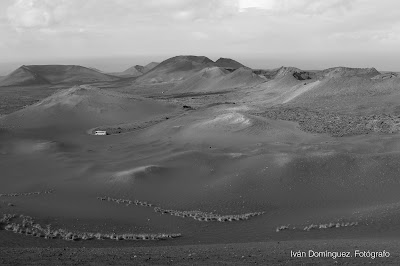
{"x": 26, "y": 193}
{"x": 26, "y": 225}
{"x": 196, "y": 215}
{"x": 317, "y": 226}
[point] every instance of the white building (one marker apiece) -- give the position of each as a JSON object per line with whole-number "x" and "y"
{"x": 100, "y": 133}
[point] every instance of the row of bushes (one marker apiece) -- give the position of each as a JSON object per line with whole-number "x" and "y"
{"x": 317, "y": 226}
{"x": 197, "y": 215}
{"x": 26, "y": 225}
{"x": 26, "y": 193}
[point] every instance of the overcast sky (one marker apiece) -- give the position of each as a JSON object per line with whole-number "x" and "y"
{"x": 114, "y": 34}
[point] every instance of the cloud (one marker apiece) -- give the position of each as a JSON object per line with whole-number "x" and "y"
{"x": 39, "y": 14}
{"x": 309, "y": 7}
{"x": 198, "y": 35}
{"x": 29, "y": 14}
{"x": 284, "y": 29}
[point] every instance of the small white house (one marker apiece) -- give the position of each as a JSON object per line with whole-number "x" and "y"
{"x": 100, "y": 133}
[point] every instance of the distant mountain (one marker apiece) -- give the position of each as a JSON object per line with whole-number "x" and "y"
{"x": 242, "y": 77}
{"x": 96, "y": 69}
{"x": 53, "y": 74}
{"x": 137, "y": 70}
{"x": 185, "y": 74}
{"x": 284, "y": 71}
{"x": 134, "y": 71}
{"x": 23, "y": 76}
{"x": 175, "y": 69}
{"x": 228, "y": 63}
{"x": 150, "y": 66}
{"x": 341, "y": 89}
{"x": 348, "y": 72}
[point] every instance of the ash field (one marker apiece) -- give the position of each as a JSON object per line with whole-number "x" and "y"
{"x": 200, "y": 157}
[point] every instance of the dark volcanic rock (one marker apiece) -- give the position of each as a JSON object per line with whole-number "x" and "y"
{"x": 337, "y": 125}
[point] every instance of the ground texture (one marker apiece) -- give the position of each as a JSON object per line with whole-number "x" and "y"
{"x": 267, "y": 253}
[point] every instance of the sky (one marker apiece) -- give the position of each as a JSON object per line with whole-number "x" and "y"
{"x": 115, "y": 34}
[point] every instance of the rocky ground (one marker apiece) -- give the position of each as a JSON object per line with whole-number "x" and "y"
{"x": 335, "y": 124}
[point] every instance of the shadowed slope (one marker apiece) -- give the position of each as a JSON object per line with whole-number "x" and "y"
{"x": 23, "y": 76}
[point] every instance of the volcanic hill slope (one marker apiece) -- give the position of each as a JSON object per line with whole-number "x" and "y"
{"x": 175, "y": 69}
{"x": 137, "y": 70}
{"x": 84, "y": 107}
{"x": 23, "y": 76}
{"x": 188, "y": 74}
{"x": 347, "y": 72}
{"x": 54, "y": 74}
{"x": 228, "y": 63}
{"x": 332, "y": 89}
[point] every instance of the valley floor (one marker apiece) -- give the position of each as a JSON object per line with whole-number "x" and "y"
{"x": 262, "y": 253}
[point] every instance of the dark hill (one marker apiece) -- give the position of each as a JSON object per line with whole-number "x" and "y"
{"x": 54, "y": 74}
{"x": 176, "y": 69}
{"x": 23, "y": 76}
{"x": 228, "y": 63}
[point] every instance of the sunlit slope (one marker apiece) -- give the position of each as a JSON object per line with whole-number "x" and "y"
{"x": 84, "y": 107}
